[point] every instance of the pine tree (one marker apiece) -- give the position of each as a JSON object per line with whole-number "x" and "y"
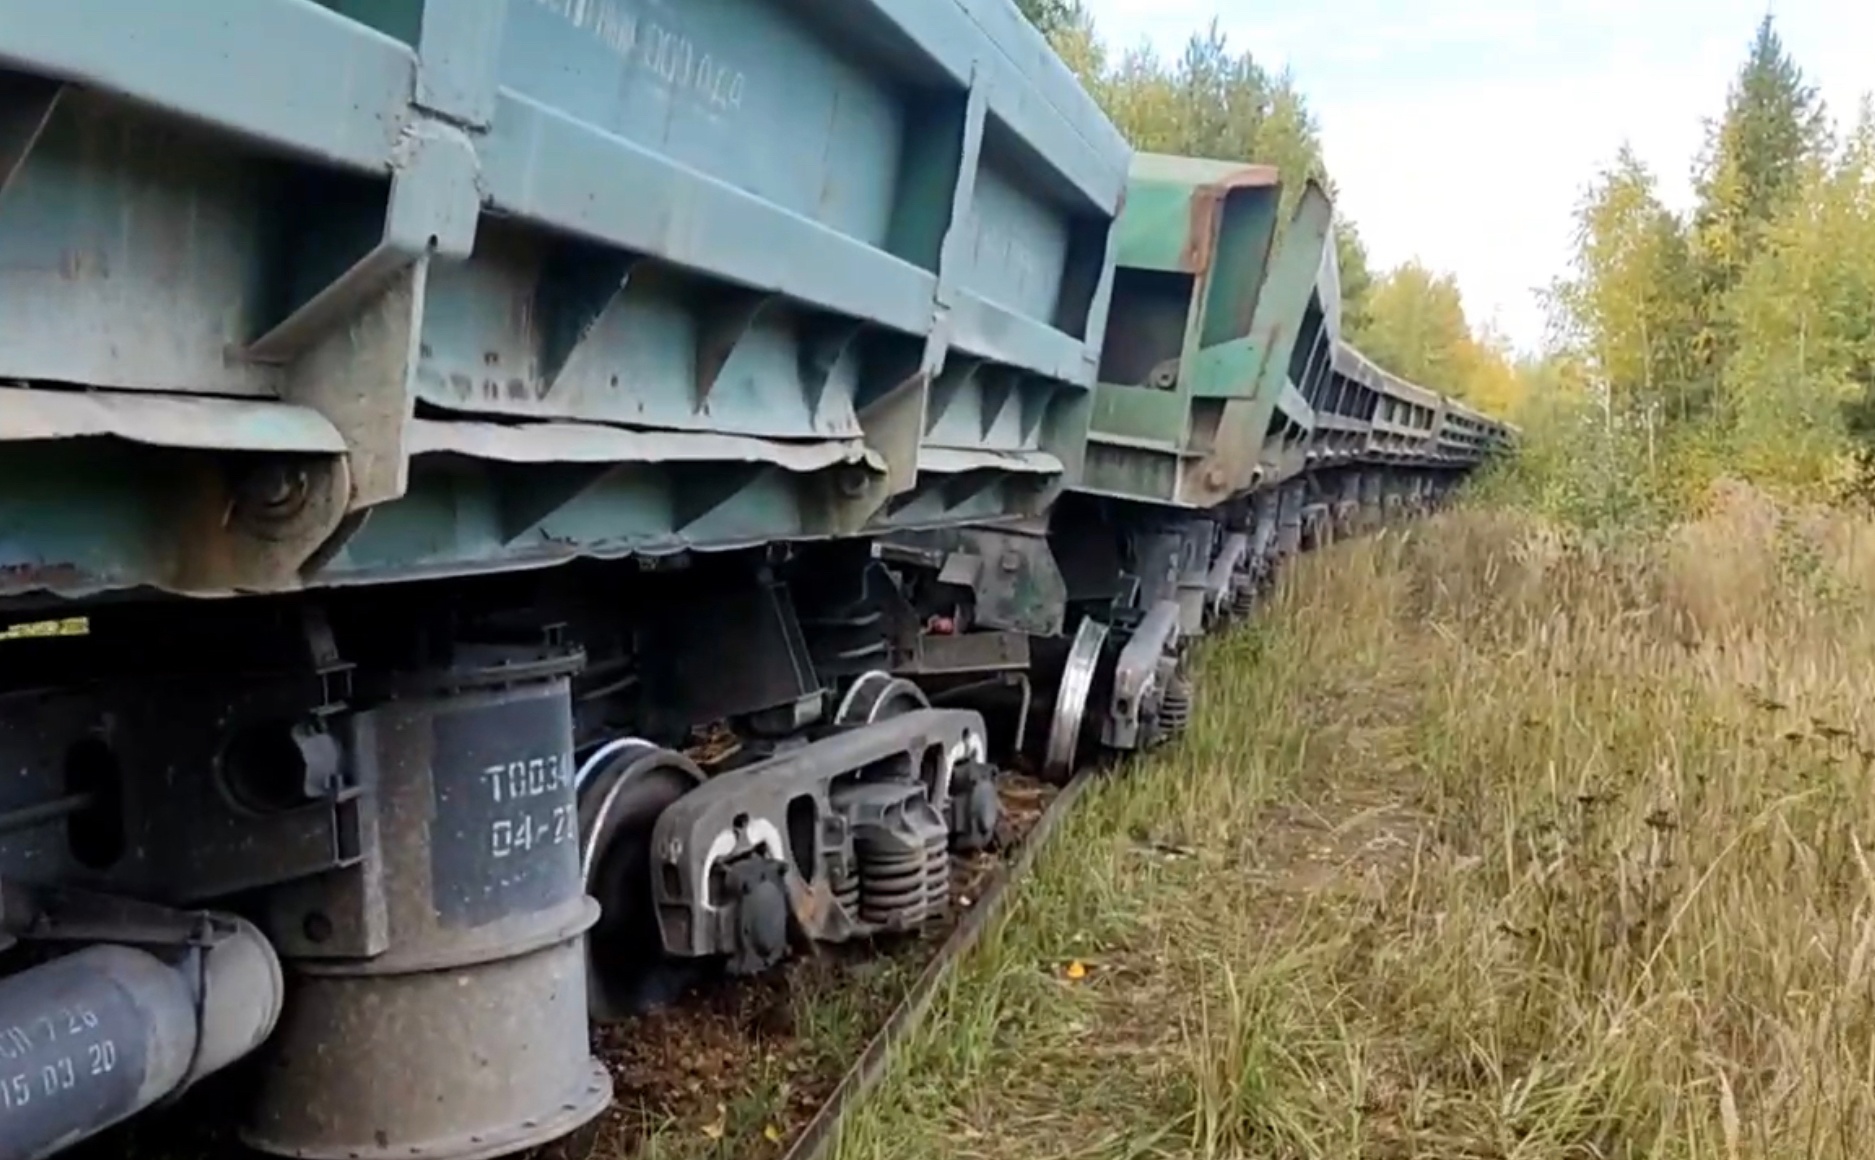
{"x": 1752, "y": 167}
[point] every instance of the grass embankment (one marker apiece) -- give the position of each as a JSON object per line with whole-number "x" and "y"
{"x": 1484, "y": 844}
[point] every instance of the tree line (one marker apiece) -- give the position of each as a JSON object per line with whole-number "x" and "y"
{"x": 1216, "y": 101}
{"x": 1736, "y": 337}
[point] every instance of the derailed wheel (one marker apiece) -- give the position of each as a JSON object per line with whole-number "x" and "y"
{"x": 1077, "y": 686}
{"x": 876, "y": 696}
{"x": 623, "y": 786}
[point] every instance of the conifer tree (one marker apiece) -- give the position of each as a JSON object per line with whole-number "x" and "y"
{"x": 1752, "y": 167}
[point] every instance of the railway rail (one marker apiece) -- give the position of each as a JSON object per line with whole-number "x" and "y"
{"x": 767, "y": 1028}
{"x": 509, "y": 506}
{"x": 797, "y": 1133}
{"x": 817, "y": 1139}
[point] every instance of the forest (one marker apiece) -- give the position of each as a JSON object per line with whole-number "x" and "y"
{"x": 1736, "y": 338}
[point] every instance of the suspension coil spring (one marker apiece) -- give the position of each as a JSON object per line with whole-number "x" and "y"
{"x": 845, "y": 885}
{"x": 1175, "y": 706}
{"x": 893, "y": 888}
{"x": 937, "y": 860}
{"x": 1243, "y": 598}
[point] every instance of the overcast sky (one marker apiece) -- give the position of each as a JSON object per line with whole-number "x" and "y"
{"x": 1462, "y": 131}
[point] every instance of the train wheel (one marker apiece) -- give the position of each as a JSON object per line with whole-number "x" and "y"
{"x": 876, "y": 696}
{"x": 623, "y": 787}
{"x": 1077, "y": 686}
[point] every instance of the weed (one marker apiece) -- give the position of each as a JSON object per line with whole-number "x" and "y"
{"x": 1494, "y": 839}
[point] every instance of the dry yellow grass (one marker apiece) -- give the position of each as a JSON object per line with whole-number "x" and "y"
{"x": 1486, "y": 843}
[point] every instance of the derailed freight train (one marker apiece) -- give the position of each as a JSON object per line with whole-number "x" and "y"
{"x": 501, "y": 500}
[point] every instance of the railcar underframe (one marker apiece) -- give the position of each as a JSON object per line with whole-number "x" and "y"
{"x": 454, "y": 820}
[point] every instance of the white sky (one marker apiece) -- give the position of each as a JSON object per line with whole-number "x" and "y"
{"x": 1461, "y": 132}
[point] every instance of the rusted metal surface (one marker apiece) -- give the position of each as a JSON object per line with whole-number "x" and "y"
{"x": 1207, "y": 211}
{"x": 1222, "y": 295}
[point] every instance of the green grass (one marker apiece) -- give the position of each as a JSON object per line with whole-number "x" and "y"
{"x": 1485, "y": 843}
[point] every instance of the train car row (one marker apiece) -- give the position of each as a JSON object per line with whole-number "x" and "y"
{"x": 503, "y": 499}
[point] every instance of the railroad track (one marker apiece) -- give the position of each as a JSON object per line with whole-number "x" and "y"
{"x": 818, "y": 1138}
{"x": 721, "y": 1045}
